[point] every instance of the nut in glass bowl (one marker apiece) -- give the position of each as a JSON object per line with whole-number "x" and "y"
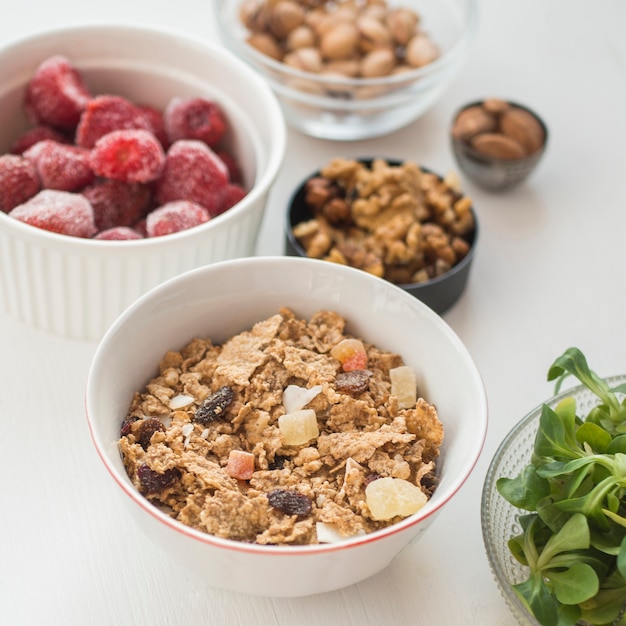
{"x": 339, "y": 76}
{"x": 500, "y": 519}
{"x": 498, "y": 143}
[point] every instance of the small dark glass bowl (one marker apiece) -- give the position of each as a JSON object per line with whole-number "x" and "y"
{"x": 439, "y": 293}
{"x": 491, "y": 173}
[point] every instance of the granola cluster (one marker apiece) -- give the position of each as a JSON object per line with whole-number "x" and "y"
{"x": 396, "y": 221}
{"x": 211, "y": 439}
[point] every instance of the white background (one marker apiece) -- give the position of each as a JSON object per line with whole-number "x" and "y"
{"x": 549, "y": 273}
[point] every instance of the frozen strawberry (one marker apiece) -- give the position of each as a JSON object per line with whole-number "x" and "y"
{"x": 119, "y": 233}
{"x": 60, "y": 166}
{"x": 34, "y": 135}
{"x": 58, "y": 211}
{"x": 157, "y": 124}
{"x": 232, "y": 195}
{"x": 193, "y": 172}
{"x": 133, "y": 156}
{"x": 105, "y": 114}
{"x": 18, "y": 181}
{"x": 116, "y": 203}
{"x": 194, "y": 118}
{"x": 174, "y": 217}
{"x": 234, "y": 173}
{"x": 56, "y": 95}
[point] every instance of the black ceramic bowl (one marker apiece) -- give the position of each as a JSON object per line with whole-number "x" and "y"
{"x": 439, "y": 293}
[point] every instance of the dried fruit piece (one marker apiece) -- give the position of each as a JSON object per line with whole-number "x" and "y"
{"x": 34, "y": 135}
{"x": 107, "y": 113}
{"x": 298, "y": 427}
{"x": 59, "y": 212}
{"x": 214, "y": 407}
{"x": 404, "y": 386}
{"x": 119, "y": 233}
{"x": 290, "y": 502}
{"x": 351, "y": 354}
{"x": 193, "y": 172}
{"x": 240, "y": 465}
{"x": 126, "y": 425}
{"x": 148, "y": 428}
{"x": 152, "y": 481}
{"x": 194, "y": 118}
{"x": 60, "y": 166}
{"x": 18, "y": 181}
{"x": 132, "y": 156}
{"x": 117, "y": 203}
{"x": 388, "y": 497}
{"x": 354, "y": 382}
{"x": 174, "y": 217}
{"x": 56, "y": 94}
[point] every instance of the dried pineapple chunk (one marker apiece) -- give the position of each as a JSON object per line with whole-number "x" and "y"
{"x": 298, "y": 427}
{"x": 388, "y": 497}
{"x": 404, "y": 386}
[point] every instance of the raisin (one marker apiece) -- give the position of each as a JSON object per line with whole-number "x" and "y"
{"x": 370, "y": 478}
{"x": 278, "y": 463}
{"x": 126, "y": 424}
{"x": 354, "y": 382}
{"x": 153, "y": 481}
{"x": 148, "y": 428}
{"x": 214, "y": 406}
{"x": 290, "y": 502}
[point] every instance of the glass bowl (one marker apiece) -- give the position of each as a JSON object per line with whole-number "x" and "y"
{"x": 499, "y": 518}
{"x": 338, "y": 108}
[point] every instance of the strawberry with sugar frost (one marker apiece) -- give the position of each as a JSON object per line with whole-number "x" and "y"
{"x": 60, "y": 166}
{"x": 157, "y": 125}
{"x": 116, "y": 203}
{"x": 234, "y": 172}
{"x": 133, "y": 156}
{"x": 107, "y": 113}
{"x": 18, "y": 181}
{"x": 194, "y": 118}
{"x": 193, "y": 172}
{"x": 60, "y": 212}
{"x": 118, "y": 233}
{"x": 232, "y": 195}
{"x": 56, "y": 94}
{"x": 34, "y": 135}
{"x": 174, "y": 217}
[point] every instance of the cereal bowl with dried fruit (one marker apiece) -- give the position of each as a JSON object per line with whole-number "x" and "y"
{"x": 351, "y": 70}
{"x": 393, "y": 219}
{"x": 284, "y": 426}
{"x": 128, "y": 155}
{"x": 498, "y": 143}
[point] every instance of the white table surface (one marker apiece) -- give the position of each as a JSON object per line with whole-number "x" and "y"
{"x": 549, "y": 273}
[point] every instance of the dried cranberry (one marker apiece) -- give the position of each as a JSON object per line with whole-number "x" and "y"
{"x": 153, "y": 481}
{"x": 148, "y": 428}
{"x": 126, "y": 425}
{"x": 290, "y": 502}
{"x": 214, "y": 406}
{"x": 354, "y": 382}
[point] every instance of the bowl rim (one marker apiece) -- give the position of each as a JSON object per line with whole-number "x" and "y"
{"x": 408, "y": 77}
{"x": 415, "y": 286}
{"x": 428, "y": 511}
{"x": 261, "y": 186}
{"x": 489, "y": 482}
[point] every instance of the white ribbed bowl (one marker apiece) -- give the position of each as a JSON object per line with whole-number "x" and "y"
{"x": 76, "y": 287}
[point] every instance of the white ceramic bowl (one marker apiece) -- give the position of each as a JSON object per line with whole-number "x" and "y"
{"x": 76, "y": 287}
{"x": 225, "y": 298}
{"x": 349, "y": 109}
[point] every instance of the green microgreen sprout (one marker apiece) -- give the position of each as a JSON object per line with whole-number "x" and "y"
{"x": 573, "y": 493}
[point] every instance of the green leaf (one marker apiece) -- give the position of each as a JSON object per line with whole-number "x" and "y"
{"x": 575, "y": 584}
{"x": 621, "y": 559}
{"x": 556, "y": 436}
{"x": 534, "y": 593}
{"x": 525, "y": 490}
{"x": 596, "y": 436}
{"x": 618, "y": 444}
{"x": 573, "y": 536}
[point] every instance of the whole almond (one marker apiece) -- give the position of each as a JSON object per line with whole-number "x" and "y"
{"x": 524, "y": 128}
{"x": 472, "y": 121}
{"x": 495, "y": 106}
{"x": 497, "y": 146}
